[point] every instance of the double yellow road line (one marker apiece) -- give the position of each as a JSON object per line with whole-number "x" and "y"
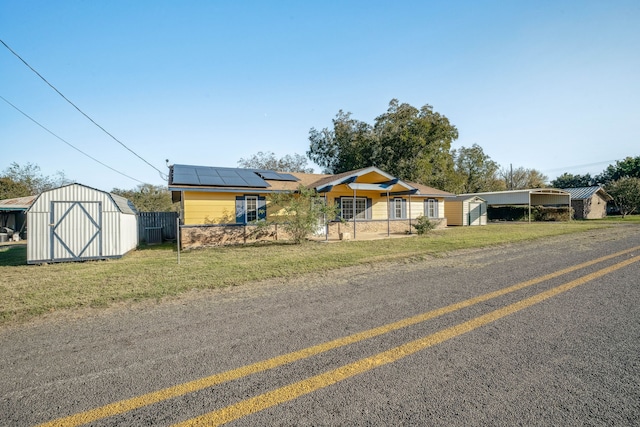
{"x": 295, "y": 390}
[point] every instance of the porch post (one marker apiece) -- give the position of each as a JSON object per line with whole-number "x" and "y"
{"x": 354, "y": 214}
{"x": 410, "y": 214}
{"x": 388, "y": 215}
{"x": 326, "y": 223}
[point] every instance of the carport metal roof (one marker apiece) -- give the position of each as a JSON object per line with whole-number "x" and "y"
{"x": 539, "y": 196}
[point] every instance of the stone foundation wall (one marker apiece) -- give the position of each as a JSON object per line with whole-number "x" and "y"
{"x": 381, "y": 226}
{"x": 198, "y": 236}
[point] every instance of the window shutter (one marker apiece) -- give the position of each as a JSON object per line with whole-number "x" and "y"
{"x": 368, "y": 213}
{"x": 240, "y": 210}
{"x": 339, "y": 210}
{"x": 404, "y": 208}
{"x": 436, "y": 208}
{"x": 262, "y": 207}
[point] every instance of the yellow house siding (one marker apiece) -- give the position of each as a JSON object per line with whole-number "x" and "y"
{"x": 203, "y": 208}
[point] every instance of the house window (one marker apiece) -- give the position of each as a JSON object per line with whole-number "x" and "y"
{"x": 346, "y": 208}
{"x": 397, "y": 208}
{"x": 432, "y": 208}
{"x": 251, "y": 208}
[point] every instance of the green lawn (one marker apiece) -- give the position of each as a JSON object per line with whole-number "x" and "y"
{"x": 27, "y": 291}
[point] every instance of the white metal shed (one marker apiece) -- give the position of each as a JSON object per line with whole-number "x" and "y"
{"x": 76, "y": 223}
{"x": 466, "y": 210}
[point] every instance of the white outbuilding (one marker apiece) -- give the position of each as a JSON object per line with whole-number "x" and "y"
{"x": 77, "y": 223}
{"x": 466, "y": 210}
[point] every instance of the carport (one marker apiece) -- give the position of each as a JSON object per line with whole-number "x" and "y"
{"x": 545, "y": 197}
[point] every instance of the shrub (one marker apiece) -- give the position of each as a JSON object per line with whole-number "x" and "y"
{"x": 423, "y": 225}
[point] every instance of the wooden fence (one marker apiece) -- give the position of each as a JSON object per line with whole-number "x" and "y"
{"x": 156, "y": 227}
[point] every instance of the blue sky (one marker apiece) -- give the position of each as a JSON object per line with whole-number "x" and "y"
{"x": 550, "y": 85}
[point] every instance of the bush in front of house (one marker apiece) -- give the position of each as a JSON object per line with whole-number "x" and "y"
{"x": 423, "y": 225}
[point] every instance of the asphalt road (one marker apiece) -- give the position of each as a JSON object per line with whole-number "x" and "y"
{"x": 414, "y": 343}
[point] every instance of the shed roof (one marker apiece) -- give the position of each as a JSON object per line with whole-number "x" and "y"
{"x": 581, "y": 193}
{"x": 124, "y": 205}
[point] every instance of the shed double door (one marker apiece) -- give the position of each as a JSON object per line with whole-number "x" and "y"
{"x": 76, "y": 230}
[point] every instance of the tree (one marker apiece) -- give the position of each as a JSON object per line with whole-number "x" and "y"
{"x": 626, "y": 194}
{"x": 299, "y": 213}
{"x": 267, "y": 160}
{"x": 567, "y": 180}
{"x": 27, "y": 180}
{"x": 9, "y": 189}
{"x": 346, "y": 147}
{"x": 475, "y": 171}
{"x": 149, "y": 198}
{"x": 522, "y": 178}
{"x": 629, "y": 167}
{"x": 409, "y": 143}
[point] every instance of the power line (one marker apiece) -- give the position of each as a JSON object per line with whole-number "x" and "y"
{"x": 162, "y": 175}
{"x": 68, "y": 143}
{"x": 580, "y": 166}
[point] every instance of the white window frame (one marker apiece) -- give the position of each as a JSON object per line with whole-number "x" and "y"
{"x": 347, "y": 213}
{"x": 397, "y": 208}
{"x": 251, "y": 212}
{"x": 432, "y": 208}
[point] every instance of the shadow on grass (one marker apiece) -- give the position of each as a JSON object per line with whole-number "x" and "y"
{"x": 157, "y": 247}
{"x": 13, "y": 255}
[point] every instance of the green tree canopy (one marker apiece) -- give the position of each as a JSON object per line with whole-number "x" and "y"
{"x": 626, "y": 194}
{"x": 149, "y": 198}
{"x": 409, "y": 143}
{"x": 475, "y": 171}
{"x": 567, "y": 180}
{"x": 27, "y": 180}
{"x": 268, "y": 160}
{"x": 629, "y": 167}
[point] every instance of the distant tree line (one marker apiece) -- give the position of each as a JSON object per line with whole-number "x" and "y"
{"x": 413, "y": 144}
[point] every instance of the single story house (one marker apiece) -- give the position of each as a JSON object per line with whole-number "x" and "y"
{"x": 549, "y": 204}
{"x": 466, "y": 210}
{"x": 219, "y": 205}
{"x": 589, "y": 202}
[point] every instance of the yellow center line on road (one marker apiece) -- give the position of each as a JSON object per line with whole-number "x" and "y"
{"x": 133, "y": 403}
{"x": 300, "y": 388}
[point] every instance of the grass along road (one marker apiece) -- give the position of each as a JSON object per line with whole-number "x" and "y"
{"x": 27, "y": 291}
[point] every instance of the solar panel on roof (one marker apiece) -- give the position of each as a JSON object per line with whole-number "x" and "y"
{"x": 275, "y": 176}
{"x": 189, "y": 179}
{"x": 287, "y": 177}
{"x": 211, "y": 180}
{"x": 212, "y": 176}
{"x": 207, "y": 172}
{"x": 227, "y": 172}
{"x": 235, "y": 181}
